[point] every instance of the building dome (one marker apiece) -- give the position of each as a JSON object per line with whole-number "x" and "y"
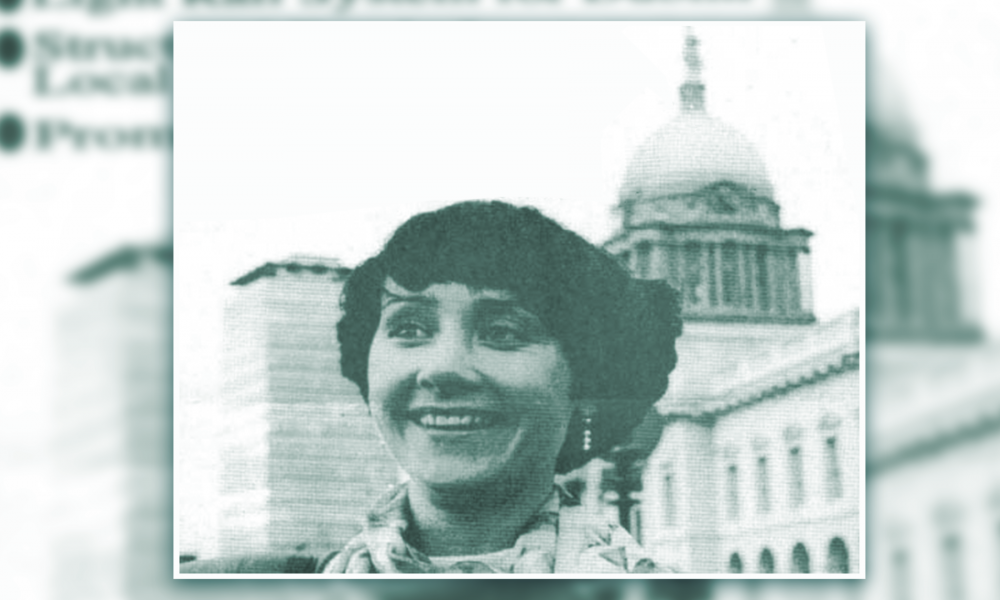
{"x": 698, "y": 211}
{"x": 690, "y": 152}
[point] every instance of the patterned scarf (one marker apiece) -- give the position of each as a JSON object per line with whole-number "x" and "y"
{"x": 561, "y": 538}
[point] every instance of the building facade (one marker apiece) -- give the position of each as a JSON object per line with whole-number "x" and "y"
{"x": 756, "y": 467}
{"x": 933, "y": 390}
{"x": 301, "y": 459}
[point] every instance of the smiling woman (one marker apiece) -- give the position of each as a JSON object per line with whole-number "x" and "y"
{"x": 496, "y": 349}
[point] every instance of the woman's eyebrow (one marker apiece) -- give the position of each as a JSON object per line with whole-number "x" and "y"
{"x": 389, "y": 298}
{"x": 503, "y": 305}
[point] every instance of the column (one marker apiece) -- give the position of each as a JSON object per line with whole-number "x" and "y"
{"x": 761, "y": 278}
{"x": 704, "y": 285}
{"x": 899, "y": 274}
{"x": 741, "y": 276}
{"x": 780, "y": 279}
{"x": 884, "y": 274}
{"x": 657, "y": 266}
{"x": 963, "y": 260}
{"x": 918, "y": 269}
{"x": 805, "y": 281}
{"x": 768, "y": 278}
{"x": 717, "y": 273}
{"x": 749, "y": 269}
{"x": 671, "y": 262}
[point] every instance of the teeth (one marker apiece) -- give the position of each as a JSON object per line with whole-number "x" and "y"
{"x": 430, "y": 420}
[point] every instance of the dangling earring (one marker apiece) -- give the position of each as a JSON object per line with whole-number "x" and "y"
{"x": 588, "y": 422}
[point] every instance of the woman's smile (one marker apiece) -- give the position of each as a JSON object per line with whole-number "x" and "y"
{"x": 467, "y": 385}
{"x": 455, "y": 419}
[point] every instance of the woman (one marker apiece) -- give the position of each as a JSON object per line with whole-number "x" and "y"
{"x": 496, "y": 349}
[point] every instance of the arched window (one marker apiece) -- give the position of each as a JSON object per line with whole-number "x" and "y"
{"x": 834, "y": 489}
{"x": 795, "y": 476}
{"x": 735, "y": 563}
{"x": 763, "y": 486}
{"x": 669, "y": 504}
{"x": 766, "y": 561}
{"x": 733, "y": 483}
{"x": 836, "y": 558}
{"x": 800, "y": 559}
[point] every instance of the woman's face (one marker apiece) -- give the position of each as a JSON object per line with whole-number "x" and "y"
{"x": 466, "y": 385}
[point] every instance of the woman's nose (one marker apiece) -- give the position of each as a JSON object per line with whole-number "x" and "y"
{"x": 448, "y": 368}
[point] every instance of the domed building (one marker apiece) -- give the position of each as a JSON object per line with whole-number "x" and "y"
{"x": 698, "y": 210}
{"x": 750, "y": 462}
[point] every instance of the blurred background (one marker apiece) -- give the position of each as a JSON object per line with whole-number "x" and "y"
{"x": 86, "y": 421}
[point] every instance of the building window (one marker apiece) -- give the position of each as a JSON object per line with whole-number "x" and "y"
{"x": 836, "y": 558}
{"x": 800, "y": 559}
{"x": 735, "y": 563}
{"x": 763, "y": 280}
{"x": 669, "y": 503}
{"x": 643, "y": 254}
{"x": 763, "y": 486}
{"x": 730, "y": 274}
{"x": 733, "y": 482}
{"x": 901, "y": 575}
{"x": 834, "y": 489}
{"x": 796, "y": 477}
{"x": 766, "y": 561}
{"x": 635, "y": 522}
{"x": 951, "y": 547}
{"x": 692, "y": 272}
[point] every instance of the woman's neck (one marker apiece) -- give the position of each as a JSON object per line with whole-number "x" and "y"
{"x": 463, "y": 521}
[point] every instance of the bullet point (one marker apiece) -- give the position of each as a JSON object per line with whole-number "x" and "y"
{"x": 11, "y": 132}
{"x": 9, "y": 5}
{"x": 11, "y": 48}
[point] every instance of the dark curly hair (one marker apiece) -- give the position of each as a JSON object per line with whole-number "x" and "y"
{"x": 616, "y": 332}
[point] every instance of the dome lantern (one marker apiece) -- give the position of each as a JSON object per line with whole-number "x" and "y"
{"x": 693, "y": 90}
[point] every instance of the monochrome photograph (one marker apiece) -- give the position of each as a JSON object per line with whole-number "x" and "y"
{"x": 519, "y": 299}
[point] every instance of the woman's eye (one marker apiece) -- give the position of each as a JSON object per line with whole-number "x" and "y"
{"x": 408, "y": 330}
{"x": 503, "y": 335}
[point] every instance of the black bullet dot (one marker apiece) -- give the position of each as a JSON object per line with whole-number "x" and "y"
{"x": 11, "y": 48}
{"x": 9, "y": 5}
{"x": 11, "y": 132}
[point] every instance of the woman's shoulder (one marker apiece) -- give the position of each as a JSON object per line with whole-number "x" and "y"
{"x": 590, "y": 543}
{"x": 274, "y": 563}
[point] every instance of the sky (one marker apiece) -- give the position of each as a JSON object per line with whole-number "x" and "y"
{"x": 300, "y": 151}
